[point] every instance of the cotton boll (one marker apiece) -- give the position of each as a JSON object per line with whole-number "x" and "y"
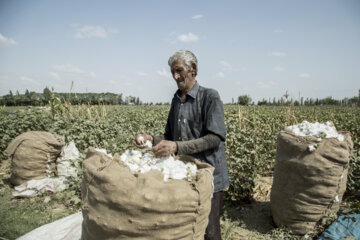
{"x": 191, "y": 169}
{"x": 148, "y": 144}
{"x": 312, "y": 148}
{"x": 143, "y": 143}
{"x": 341, "y": 137}
{"x": 178, "y": 173}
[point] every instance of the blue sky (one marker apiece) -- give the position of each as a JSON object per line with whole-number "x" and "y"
{"x": 259, "y": 48}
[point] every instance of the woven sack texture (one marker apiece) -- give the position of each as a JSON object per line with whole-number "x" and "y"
{"x": 308, "y": 185}
{"x": 33, "y": 155}
{"x": 118, "y": 204}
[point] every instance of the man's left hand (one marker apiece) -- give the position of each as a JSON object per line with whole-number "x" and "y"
{"x": 164, "y": 148}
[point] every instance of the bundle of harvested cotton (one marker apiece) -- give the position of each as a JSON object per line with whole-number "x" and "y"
{"x": 320, "y": 130}
{"x": 310, "y": 174}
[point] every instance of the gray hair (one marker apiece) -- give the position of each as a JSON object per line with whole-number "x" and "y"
{"x": 186, "y": 56}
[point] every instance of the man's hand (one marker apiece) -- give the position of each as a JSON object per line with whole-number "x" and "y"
{"x": 141, "y": 139}
{"x": 164, "y": 148}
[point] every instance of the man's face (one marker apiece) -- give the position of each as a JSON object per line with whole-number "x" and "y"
{"x": 184, "y": 78}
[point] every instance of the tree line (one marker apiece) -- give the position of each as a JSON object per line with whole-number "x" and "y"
{"x": 285, "y": 100}
{"x": 31, "y": 98}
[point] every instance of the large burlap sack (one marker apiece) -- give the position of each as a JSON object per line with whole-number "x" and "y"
{"x": 118, "y": 204}
{"x": 308, "y": 185}
{"x": 33, "y": 155}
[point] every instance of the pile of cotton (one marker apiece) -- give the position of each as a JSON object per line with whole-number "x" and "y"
{"x": 320, "y": 130}
{"x": 142, "y": 162}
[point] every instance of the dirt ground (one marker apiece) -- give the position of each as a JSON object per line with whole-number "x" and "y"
{"x": 253, "y": 220}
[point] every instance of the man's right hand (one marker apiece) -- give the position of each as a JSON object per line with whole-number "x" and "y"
{"x": 141, "y": 139}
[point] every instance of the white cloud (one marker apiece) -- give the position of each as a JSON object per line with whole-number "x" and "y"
{"x": 164, "y": 73}
{"x": 198, "y": 16}
{"x": 304, "y": 75}
{"x": 266, "y": 84}
{"x": 277, "y": 31}
{"x": 88, "y": 31}
{"x": 226, "y": 66}
{"x": 279, "y": 69}
{"x": 143, "y": 74}
{"x": 272, "y": 83}
{"x": 54, "y": 75}
{"x": 186, "y": 38}
{"x": 6, "y": 42}
{"x": 262, "y": 84}
{"x": 113, "y": 82}
{"x": 4, "y": 78}
{"x": 278, "y": 54}
{"x": 29, "y": 80}
{"x": 220, "y": 75}
{"x": 68, "y": 68}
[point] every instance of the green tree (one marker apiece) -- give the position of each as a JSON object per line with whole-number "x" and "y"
{"x": 46, "y": 94}
{"x": 9, "y": 99}
{"x": 244, "y": 100}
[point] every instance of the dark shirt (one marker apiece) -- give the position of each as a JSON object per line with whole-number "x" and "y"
{"x": 199, "y": 116}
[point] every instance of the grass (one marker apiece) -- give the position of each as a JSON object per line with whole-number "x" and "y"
{"x": 19, "y": 216}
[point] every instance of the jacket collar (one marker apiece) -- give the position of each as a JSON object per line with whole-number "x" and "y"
{"x": 192, "y": 93}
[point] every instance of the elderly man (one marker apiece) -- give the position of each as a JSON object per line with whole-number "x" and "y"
{"x": 195, "y": 126}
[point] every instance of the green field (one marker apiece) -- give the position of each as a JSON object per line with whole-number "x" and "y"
{"x": 250, "y": 151}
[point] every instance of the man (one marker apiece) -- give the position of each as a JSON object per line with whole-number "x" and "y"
{"x": 195, "y": 126}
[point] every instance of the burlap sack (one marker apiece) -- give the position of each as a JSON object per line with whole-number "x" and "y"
{"x": 307, "y": 185}
{"x": 120, "y": 205}
{"x": 33, "y": 155}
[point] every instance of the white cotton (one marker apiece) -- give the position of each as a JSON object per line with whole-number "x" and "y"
{"x": 171, "y": 168}
{"x": 341, "y": 137}
{"x": 103, "y": 151}
{"x": 312, "y": 147}
{"x": 319, "y": 130}
{"x": 146, "y": 144}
